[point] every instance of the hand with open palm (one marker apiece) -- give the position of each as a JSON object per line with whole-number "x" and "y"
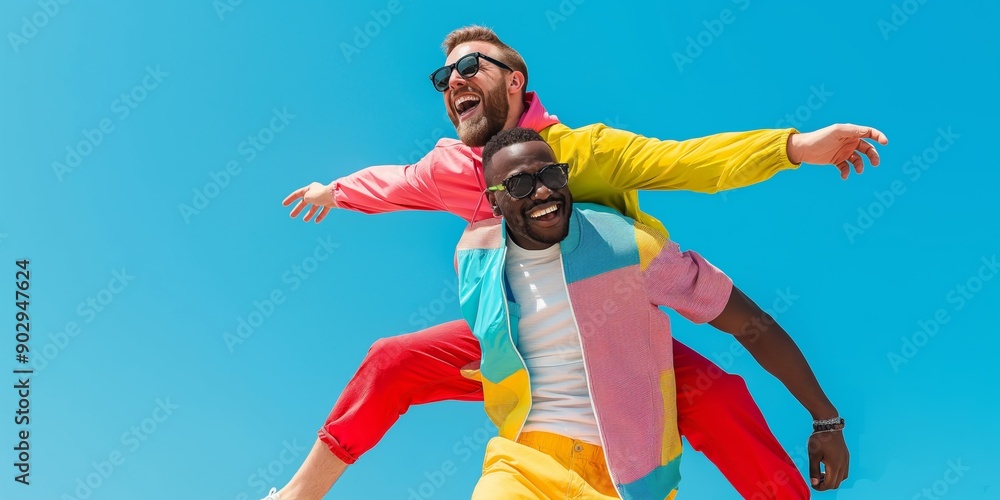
{"x": 318, "y": 195}
{"x": 841, "y": 145}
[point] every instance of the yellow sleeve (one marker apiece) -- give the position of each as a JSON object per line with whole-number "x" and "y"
{"x": 709, "y": 164}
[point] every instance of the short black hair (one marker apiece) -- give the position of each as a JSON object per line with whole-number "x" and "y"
{"x": 504, "y": 139}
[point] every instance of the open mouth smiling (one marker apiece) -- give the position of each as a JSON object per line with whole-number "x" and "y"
{"x": 466, "y": 103}
{"x": 545, "y": 212}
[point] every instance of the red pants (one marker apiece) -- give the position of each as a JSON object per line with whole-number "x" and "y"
{"x": 715, "y": 411}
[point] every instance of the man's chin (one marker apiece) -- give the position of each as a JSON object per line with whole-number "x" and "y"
{"x": 477, "y": 131}
{"x": 473, "y": 134}
{"x": 550, "y": 236}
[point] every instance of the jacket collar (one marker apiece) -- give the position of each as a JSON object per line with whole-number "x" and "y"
{"x": 535, "y": 116}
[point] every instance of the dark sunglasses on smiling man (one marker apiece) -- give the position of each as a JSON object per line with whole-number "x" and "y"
{"x": 467, "y": 66}
{"x": 521, "y": 185}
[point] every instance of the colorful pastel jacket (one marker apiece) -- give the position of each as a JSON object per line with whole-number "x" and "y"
{"x": 607, "y": 167}
{"x": 617, "y": 272}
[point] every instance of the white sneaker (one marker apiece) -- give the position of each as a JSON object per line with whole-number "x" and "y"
{"x": 272, "y": 495}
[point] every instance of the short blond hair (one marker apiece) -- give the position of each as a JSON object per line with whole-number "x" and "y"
{"x": 476, "y": 33}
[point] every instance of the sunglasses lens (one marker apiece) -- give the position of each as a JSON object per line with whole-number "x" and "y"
{"x": 553, "y": 177}
{"x": 440, "y": 79}
{"x": 520, "y": 185}
{"x": 468, "y": 66}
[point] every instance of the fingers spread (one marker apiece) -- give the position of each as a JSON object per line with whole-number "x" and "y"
{"x": 865, "y": 148}
{"x": 298, "y": 209}
{"x": 312, "y": 211}
{"x": 855, "y": 159}
{"x": 294, "y": 196}
{"x": 322, "y": 214}
{"x": 845, "y": 169}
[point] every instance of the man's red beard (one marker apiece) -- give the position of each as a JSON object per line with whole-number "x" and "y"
{"x": 476, "y": 132}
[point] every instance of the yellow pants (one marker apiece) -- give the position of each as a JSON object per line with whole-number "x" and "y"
{"x": 544, "y": 466}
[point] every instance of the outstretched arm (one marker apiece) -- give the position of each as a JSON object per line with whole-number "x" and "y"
{"x": 372, "y": 190}
{"x": 724, "y": 161}
{"x": 777, "y": 353}
{"x": 690, "y": 285}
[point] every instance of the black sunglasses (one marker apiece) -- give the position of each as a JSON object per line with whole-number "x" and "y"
{"x": 518, "y": 186}
{"x": 467, "y": 66}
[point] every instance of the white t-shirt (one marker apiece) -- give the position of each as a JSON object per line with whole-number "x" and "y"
{"x": 550, "y": 345}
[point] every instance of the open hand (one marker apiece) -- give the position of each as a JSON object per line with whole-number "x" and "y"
{"x": 318, "y": 195}
{"x": 841, "y": 145}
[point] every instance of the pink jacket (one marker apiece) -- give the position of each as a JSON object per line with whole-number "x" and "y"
{"x": 440, "y": 181}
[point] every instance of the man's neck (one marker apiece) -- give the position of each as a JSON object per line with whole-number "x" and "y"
{"x": 527, "y": 244}
{"x": 514, "y": 115}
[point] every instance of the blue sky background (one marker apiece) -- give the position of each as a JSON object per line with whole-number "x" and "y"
{"x": 856, "y": 298}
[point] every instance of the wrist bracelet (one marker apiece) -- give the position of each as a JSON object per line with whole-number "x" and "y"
{"x": 828, "y": 425}
{"x": 828, "y": 430}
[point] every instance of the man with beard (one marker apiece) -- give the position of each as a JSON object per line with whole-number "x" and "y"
{"x": 484, "y": 88}
{"x": 585, "y": 402}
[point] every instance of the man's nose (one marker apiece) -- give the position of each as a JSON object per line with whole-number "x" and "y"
{"x": 542, "y": 192}
{"x": 455, "y": 80}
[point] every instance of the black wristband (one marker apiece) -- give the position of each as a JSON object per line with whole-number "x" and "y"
{"x": 833, "y": 424}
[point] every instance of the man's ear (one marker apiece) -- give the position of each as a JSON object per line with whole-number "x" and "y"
{"x": 492, "y": 200}
{"x": 516, "y": 83}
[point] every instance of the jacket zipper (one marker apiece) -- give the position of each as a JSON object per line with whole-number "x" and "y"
{"x": 586, "y": 371}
